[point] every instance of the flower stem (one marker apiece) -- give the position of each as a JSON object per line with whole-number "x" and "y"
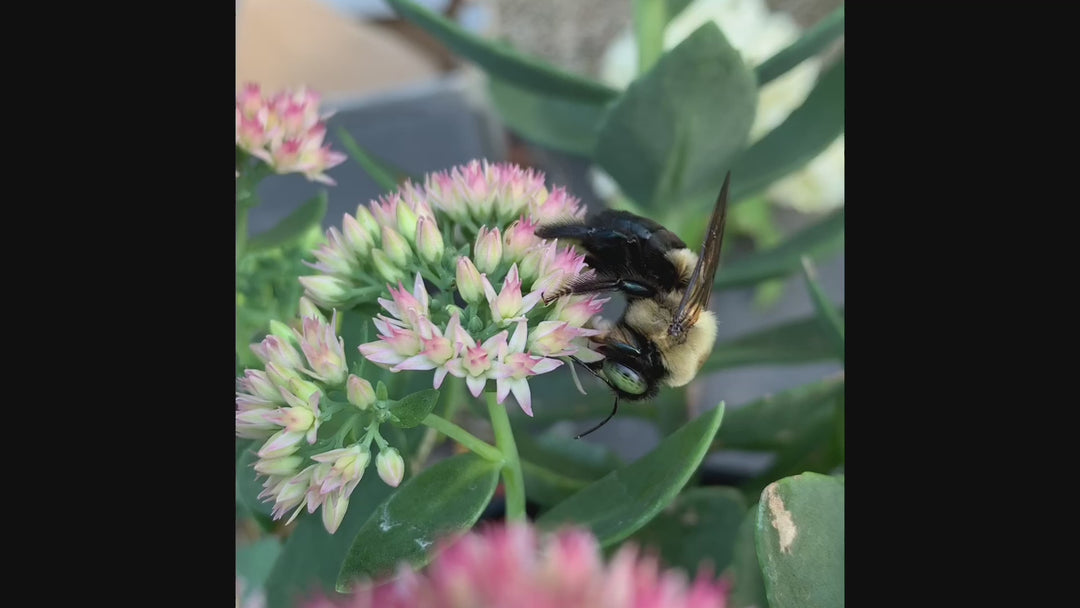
{"x": 513, "y": 479}
{"x": 465, "y": 438}
{"x": 455, "y": 390}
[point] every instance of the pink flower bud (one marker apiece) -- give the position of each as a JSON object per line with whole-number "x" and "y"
{"x": 324, "y": 351}
{"x": 429, "y": 241}
{"x": 395, "y": 247}
{"x": 333, "y": 511}
{"x": 488, "y": 250}
{"x": 356, "y": 236}
{"x": 388, "y": 270}
{"x": 279, "y": 352}
{"x": 519, "y": 239}
{"x": 367, "y": 221}
{"x": 309, "y": 309}
{"x": 278, "y": 466}
{"x": 359, "y": 392}
{"x": 327, "y": 291}
{"x": 390, "y": 466}
{"x": 469, "y": 283}
{"x": 406, "y": 222}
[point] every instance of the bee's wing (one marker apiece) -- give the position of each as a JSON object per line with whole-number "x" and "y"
{"x": 699, "y": 289}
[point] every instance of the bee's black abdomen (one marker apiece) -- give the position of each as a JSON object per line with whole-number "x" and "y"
{"x": 622, "y": 244}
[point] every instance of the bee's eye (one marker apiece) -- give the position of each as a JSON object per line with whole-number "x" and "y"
{"x": 624, "y": 378}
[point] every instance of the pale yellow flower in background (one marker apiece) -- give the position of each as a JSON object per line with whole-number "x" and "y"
{"x": 818, "y": 187}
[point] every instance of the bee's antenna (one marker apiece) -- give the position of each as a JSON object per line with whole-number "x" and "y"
{"x": 614, "y": 409}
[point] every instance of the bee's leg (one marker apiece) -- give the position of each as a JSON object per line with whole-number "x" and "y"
{"x": 633, "y": 288}
{"x": 601, "y": 377}
{"x": 590, "y": 369}
{"x": 614, "y": 408}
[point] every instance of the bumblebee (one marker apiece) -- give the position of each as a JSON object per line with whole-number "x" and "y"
{"x": 667, "y": 331}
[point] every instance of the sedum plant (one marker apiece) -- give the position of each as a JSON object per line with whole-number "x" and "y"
{"x": 410, "y": 337}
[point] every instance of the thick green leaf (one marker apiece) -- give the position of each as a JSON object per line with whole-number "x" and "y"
{"x": 813, "y": 40}
{"x": 446, "y": 499}
{"x": 623, "y": 501}
{"x": 831, "y": 321}
{"x": 676, "y": 127}
{"x": 255, "y": 561}
{"x": 512, "y": 66}
{"x": 385, "y": 175}
{"x": 557, "y": 467}
{"x": 816, "y": 241}
{"x": 312, "y": 556}
{"x": 804, "y": 434}
{"x": 650, "y": 21}
{"x": 800, "y": 341}
{"x": 803, "y": 135}
{"x": 813, "y": 451}
{"x": 412, "y": 410}
{"x": 546, "y": 487}
{"x": 800, "y": 541}
{"x": 781, "y": 420}
{"x": 748, "y": 588}
{"x": 293, "y": 227}
{"x": 699, "y": 527}
{"x": 570, "y": 457}
{"x": 674, "y": 7}
{"x": 567, "y": 125}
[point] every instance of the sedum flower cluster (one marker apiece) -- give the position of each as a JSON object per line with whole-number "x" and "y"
{"x": 286, "y": 131}
{"x": 286, "y": 405}
{"x": 513, "y": 566}
{"x": 465, "y": 275}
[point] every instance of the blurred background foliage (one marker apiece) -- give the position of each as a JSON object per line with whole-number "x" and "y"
{"x": 652, "y": 102}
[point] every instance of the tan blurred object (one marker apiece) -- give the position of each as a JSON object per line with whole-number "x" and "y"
{"x": 287, "y": 43}
{"x": 572, "y": 34}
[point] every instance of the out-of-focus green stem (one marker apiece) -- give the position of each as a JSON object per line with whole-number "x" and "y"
{"x": 650, "y": 21}
{"x": 241, "y": 230}
{"x": 513, "y": 479}
{"x": 465, "y": 438}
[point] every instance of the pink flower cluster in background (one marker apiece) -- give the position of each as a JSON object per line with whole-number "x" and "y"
{"x": 285, "y": 131}
{"x": 514, "y": 566}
